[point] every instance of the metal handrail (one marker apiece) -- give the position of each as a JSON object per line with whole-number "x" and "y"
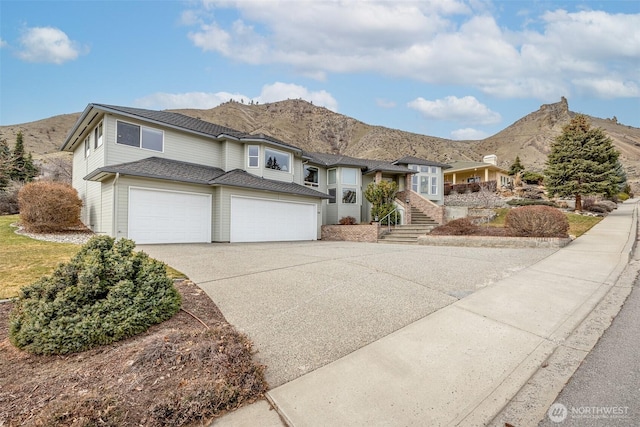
{"x": 394, "y": 211}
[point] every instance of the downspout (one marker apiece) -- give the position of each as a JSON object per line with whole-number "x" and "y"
{"x": 114, "y": 207}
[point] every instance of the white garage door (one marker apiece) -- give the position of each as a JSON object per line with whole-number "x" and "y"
{"x": 157, "y": 216}
{"x": 260, "y": 220}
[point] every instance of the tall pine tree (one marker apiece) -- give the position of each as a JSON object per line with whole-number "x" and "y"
{"x": 582, "y": 161}
{"x": 5, "y": 164}
{"x": 516, "y": 167}
{"x": 22, "y": 167}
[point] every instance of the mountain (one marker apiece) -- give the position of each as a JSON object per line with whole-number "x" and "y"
{"x": 319, "y": 129}
{"x": 314, "y": 128}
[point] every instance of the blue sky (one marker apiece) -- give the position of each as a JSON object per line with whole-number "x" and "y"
{"x": 458, "y": 69}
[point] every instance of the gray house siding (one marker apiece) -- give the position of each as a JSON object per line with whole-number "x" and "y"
{"x": 177, "y": 146}
{"x": 89, "y": 192}
{"x": 233, "y": 154}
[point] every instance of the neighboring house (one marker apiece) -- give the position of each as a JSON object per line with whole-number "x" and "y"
{"x": 162, "y": 177}
{"x": 462, "y": 172}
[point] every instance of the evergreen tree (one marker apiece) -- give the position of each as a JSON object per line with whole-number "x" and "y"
{"x": 381, "y": 197}
{"x": 582, "y": 161}
{"x": 516, "y": 167}
{"x": 5, "y": 164}
{"x": 22, "y": 167}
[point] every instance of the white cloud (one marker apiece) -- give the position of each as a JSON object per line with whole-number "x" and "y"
{"x": 47, "y": 44}
{"x": 204, "y": 100}
{"x": 468, "y": 134}
{"x": 451, "y": 108}
{"x": 442, "y": 42}
{"x": 609, "y": 88}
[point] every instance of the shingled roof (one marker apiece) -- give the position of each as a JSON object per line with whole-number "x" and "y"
{"x": 366, "y": 165}
{"x": 241, "y": 178}
{"x": 410, "y": 160}
{"x": 173, "y": 170}
{"x": 173, "y": 120}
{"x": 159, "y": 168}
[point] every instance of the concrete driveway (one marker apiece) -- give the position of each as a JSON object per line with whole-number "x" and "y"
{"x": 306, "y": 304}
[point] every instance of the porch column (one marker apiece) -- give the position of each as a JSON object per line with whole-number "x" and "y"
{"x": 454, "y": 178}
{"x": 378, "y": 177}
{"x": 486, "y": 175}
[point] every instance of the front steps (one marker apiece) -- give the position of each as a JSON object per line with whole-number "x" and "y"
{"x": 421, "y": 224}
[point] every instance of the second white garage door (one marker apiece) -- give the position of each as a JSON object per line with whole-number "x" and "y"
{"x": 261, "y": 220}
{"x": 157, "y": 216}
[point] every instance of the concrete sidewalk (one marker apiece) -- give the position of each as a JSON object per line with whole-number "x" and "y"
{"x": 462, "y": 364}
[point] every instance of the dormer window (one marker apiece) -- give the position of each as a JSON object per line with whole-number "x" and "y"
{"x": 277, "y": 160}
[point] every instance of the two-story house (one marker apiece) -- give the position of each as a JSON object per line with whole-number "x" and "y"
{"x": 163, "y": 177}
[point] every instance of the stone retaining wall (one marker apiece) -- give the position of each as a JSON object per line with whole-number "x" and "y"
{"x": 350, "y": 233}
{"x": 495, "y": 241}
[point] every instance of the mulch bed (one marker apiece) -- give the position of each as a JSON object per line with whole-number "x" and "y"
{"x": 184, "y": 371}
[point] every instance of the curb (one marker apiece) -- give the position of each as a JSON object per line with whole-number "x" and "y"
{"x": 529, "y": 405}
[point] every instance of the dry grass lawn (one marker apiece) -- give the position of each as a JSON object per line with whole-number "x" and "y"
{"x": 24, "y": 260}
{"x": 578, "y": 224}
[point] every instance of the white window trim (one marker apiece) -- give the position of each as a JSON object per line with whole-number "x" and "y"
{"x": 289, "y": 168}
{"x": 140, "y": 147}
{"x": 87, "y": 146}
{"x": 311, "y": 183}
{"x": 249, "y": 156}
{"x": 342, "y": 190}
{"x": 335, "y": 196}
{"x": 98, "y": 140}
{"x": 335, "y": 182}
{"x": 342, "y": 176}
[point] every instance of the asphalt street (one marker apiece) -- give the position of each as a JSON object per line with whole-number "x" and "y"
{"x": 605, "y": 390}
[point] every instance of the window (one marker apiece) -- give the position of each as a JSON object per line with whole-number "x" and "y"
{"x": 310, "y": 176}
{"x": 87, "y": 146}
{"x": 349, "y": 176}
{"x": 424, "y": 184}
{"x": 434, "y": 185}
{"x": 349, "y": 195}
{"x": 331, "y": 176}
{"x": 414, "y": 182}
{"x": 139, "y": 136}
{"x": 254, "y": 156}
{"x": 276, "y": 160}
{"x": 332, "y": 193}
{"x": 152, "y": 139}
{"x": 97, "y": 136}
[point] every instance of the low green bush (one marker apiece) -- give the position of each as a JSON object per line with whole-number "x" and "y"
{"x": 537, "y": 221}
{"x": 105, "y": 293}
{"x": 598, "y": 208}
{"x": 530, "y": 202}
{"x": 532, "y": 177}
{"x": 623, "y": 196}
